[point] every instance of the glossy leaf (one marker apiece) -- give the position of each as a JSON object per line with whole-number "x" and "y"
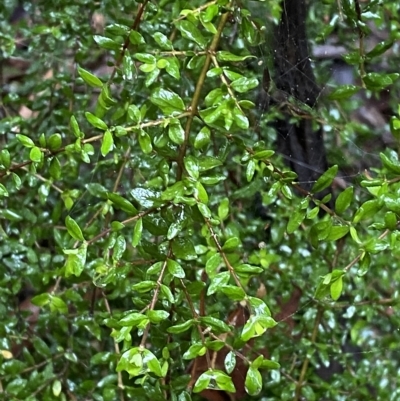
{"x": 35, "y": 154}
{"x": 325, "y": 180}
{"x": 343, "y": 201}
{"x": 295, "y": 220}
{"x": 107, "y": 143}
{"x": 96, "y": 121}
{"x": 73, "y": 229}
{"x": 344, "y": 92}
{"x": 76, "y": 260}
{"x": 253, "y": 381}
{"x": 191, "y": 32}
{"x": 137, "y": 232}
{"x": 168, "y": 101}
{"x": 175, "y": 269}
{"x": 90, "y": 78}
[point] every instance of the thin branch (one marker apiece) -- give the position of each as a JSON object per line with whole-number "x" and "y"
{"x": 154, "y": 301}
{"x": 306, "y": 362}
{"x": 116, "y": 348}
{"x": 197, "y": 93}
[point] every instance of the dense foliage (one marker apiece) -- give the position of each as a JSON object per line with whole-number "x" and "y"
{"x": 168, "y": 249}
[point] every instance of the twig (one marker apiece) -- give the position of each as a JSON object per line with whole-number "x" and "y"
{"x": 196, "y": 96}
{"x": 306, "y": 362}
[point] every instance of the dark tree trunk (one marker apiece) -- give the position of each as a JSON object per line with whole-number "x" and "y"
{"x": 301, "y": 142}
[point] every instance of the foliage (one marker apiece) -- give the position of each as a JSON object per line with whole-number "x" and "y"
{"x": 134, "y": 171}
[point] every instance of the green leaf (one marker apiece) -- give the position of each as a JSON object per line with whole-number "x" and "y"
{"x": 231, "y": 244}
{"x": 365, "y": 262}
{"x": 223, "y": 381}
{"x": 162, "y": 41}
{"x": 336, "y": 288}
{"x": 234, "y": 293}
{"x": 133, "y": 319}
{"x": 5, "y": 158}
{"x": 195, "y": 350}
{"x": 117, "y": 30}
{"x": 250, "y": 170}
{"x": 58, "y": 305}
{"x": 191, "y": 166}
{"x": 41, "y": 347}
{"x": 144, "y": 286}
{"x": 145, "y": 142}
{"x": 223, "y": 209}
{"x": 55, "y": 142}
{"x": 217, "y": 282}
{"x": 246, "y": 269}
{"x": 230, "y": 362}
{"x": 181, "y": 328}
{"x": 375, "y": 245}
{"x": 35, "y": 154}
{"x": 325, "y": 180}
{"x": 75, "y": 127}
{"x": 392, "y": 162}
{"x": 390, "y": 220}
{"x": 240, "y": 119}
{"x": 117, "y": 226}
{"x": 96, "y": 121}
{"x": 227, "y": 56}
{"x": 136, "y": 38}
{"x": 215, "y": 380}
{"x": 175, "y": 269}
{"x": 191, "y": 32}
{"x": 210, "y": 12}
{"x": 295, "y": 220}
{"x": 343, "y": 201}
{"x": 176, "y": 132}
{"x": 157, "y": 316}
{"x": 122, "y": 203}
{"x": 244, "y": 84}
{"x": 107, "y": 143}
{"x": 153, "y": 365}
{"x": 183, "y": 248}
{"x": 337, "y": 232}
{"x": 167, "y": 293}
{"x": 200, "y": 193}
{"x": 202, "y": 382}
{"x": 263, "y": 154}
{"x": 168, "y": 101}
{"x": 25, "y": 141}
{"x": 174, "y": 229}
{"x": 76, "y": 259}
{"x": 204, "y": 210}
{"x": 89, "y": 78}
{"x": 41, "y": 299}
{"x": 119, "y": 248}
{"x": 376, "y": 81}
{"x": 3, "y": 191}
{"x": 137, "y": 233}
{"x": 344, "y": 92}
{"x": 253, "y": 381}
{"x": 208, "y": 162}
{"x": 106, "y": 43}
{"x": 212, "y": 179}
{"x": 73, "y": 229}
{"x": 173, "y": 67}
{"x": 379, "y": 49}
{"x": 369, "y": 208}
{"x": 146, "y": 58}
{"x": 215, "y": 324}
{"x": 212, "y": 265}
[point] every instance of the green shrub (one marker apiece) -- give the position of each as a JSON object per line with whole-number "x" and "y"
{"x": 132, "y": 184}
